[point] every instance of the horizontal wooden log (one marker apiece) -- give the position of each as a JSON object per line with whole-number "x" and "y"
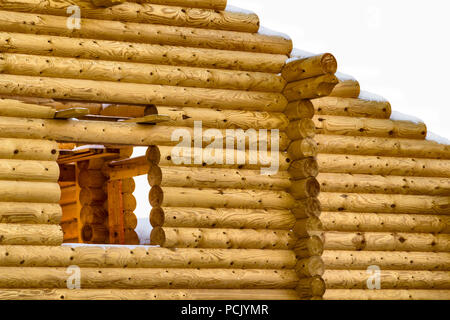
{"x": 310, "y": 67}
{"x": 140, "y": 52}
{"x": 335, "y": 182}
{"x": 381, "y": 203}
{"x": 204, "y": 4}
{"x": 145, "y": 294}
{"x": 30, "y": 234}
{"x": 351, "y": 126}
{"x": 222, "y": 218}
{"x": 242, "y": 159}
{"x": 29, "y": 213}
{"x": 135, "y": 12}
{"x": 346, "y": 88}
{"x": 383, "y": 222}
{"x": 361, "y": 260}
{"x": 223, "y": 119}
{"x": 305, "y": 188}
{"x": 122, "y": 92}
{"x": 386, "y": 147}
{"x": 29, "y": 170}
{"x": 27, "y": 149}
{"x": 304, "y": 168}
{"x": 310, "y": 88}
{"x": 164, "y": 278}
{"x": 304, "y": 148}
{"x": 222, "y": 238}
{"x": 145, "y": 33}
{"x": 91, "y": 179}
{"x": 144, "y": 257}
{"x": 301, "y": 109}
{"x": 384, "y": 241}
{"x": 181, "y": 177}
{"x": 101, "y": 70}
{"x": 392, "y": 294}
{"x": 25, "y": 191}
{"x": 14, "y": 108}
{"x": 220, "y": 198}
{"x": 301, "y": 129}
{"x": 385, "y": 166}
{"x": 350, "y": 107}
{"x": 389, "y": 279}
{"x": 107, "y": 132}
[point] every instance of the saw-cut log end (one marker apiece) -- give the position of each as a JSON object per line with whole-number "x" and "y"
{"x": 153, "y": 155}
{"x": 157, "y": 217}
{"x": 156, "y": 196}
{"x": 157, "y": 237}
{"x": 154, "y": 176}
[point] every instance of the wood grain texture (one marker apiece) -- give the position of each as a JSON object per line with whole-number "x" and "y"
{"x": 27, "y": 149}
{"x": 310, "y": 88}
{"x": 386, "y": 166}
{"x": 14, "y": 108}
{"x": 102, "y": 70}
{"x": 26, "y": 191}
{"x": 30, "y": 234}
{"x": 109, "y": 132}
{"x": 122, "y": 92}
{"x": 150, "y": 278}
{"x": 351, "y": 107}
{"x": 205, "y": 4}
{"x": 223, "y": 119}
{"x": 222, "y": 238}
{"x": 182, "y": 177}
{"x": 352, "y": 126}
{"x": 384, "y": 241}
{"x": 390, "y": 279}
{"x": 222, "y": 218}
{"x": 361, "y": 260}
{"x": 144, "y": 257}
{"x": 145, "y": 294}
{"x": 145, "y": 33}
{"x": 375, "y": 146}
{"x": 384, "y": 222}
{"x": 220, "y": 198}
{"x": 392, "y": 294}
{"x": 143, "y": 13}
{"x": 139, "y": 52}
{"x": 384, "y": 203}
{"x": 346, "y": 89}
{"x": 357, "y": 183}
{"x": 29, "y": 170}
{"x": 29, "y": 213}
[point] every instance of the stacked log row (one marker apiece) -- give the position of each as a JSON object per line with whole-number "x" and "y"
{"x": 307, "y": 78}
{"x": 29, "y": 191}
{"x": 385, "y": 200}
{"x": 92, "y": 198}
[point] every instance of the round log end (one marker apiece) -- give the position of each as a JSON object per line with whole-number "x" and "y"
{"x": 128, "y": 185}
{"x": 156, "y": 196}
{"x": 131, "y": 237}
{"x": 157, "y": 217}
{"x": 329, "y": 63}
{"x": 157, "y": 237}
{"x": 154, "y": 176}
{"x": 153, "y": 155}
{"x": 312, "y": 187}
{"x": 87, "y": 233}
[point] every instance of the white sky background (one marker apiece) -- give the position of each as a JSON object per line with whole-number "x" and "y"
{"x": 395, "y": 48}
{"x": 398, "y": 49}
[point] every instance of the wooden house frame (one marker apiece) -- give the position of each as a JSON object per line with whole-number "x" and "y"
{"x": 355, "y": 192}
